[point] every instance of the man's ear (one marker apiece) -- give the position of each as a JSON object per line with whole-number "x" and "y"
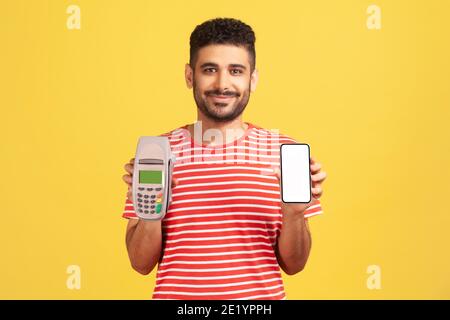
{"x": 188, "y": 75}
{"x": 254, "y": 80}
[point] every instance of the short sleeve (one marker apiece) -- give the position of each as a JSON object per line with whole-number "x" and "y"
{"x": 128, "y": 211}
{"x": 314, "y": 209}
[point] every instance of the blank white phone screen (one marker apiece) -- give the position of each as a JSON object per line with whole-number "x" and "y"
{"x": 295, "y": 173}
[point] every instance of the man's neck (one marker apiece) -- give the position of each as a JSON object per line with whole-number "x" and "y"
{"x": 209, "y": 132}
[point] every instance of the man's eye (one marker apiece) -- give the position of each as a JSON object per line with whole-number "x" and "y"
{"x": 236, "y": 71}
{"x": 210, "y": 69}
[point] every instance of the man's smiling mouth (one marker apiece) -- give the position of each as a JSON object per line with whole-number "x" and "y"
{"x": 221, "y": 97}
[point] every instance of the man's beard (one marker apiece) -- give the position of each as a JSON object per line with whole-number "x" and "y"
{"x": 214, "y": 110}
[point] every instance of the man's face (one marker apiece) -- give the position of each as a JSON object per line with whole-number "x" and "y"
{"x": 222, "y": 81}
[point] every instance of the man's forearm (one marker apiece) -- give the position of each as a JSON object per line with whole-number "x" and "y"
{"x": 144, "y": 245}
{"x": 294, "y": 243}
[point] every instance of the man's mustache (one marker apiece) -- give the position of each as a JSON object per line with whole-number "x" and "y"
{"x": 219, "y": 93}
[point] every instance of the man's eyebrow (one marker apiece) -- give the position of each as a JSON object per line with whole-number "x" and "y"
{"x": 209, "y": 64}
{"x": 215, "y": 65}
{"x": 237, "y": 65}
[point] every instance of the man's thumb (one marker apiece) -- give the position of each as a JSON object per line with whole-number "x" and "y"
{"x": 276, "y": 172}
{"x": 174, "y": 182}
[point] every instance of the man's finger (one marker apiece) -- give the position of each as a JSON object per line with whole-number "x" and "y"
{"x": 316, "y": 167}
{"x": 129, "y": 168}
{"x": 127, "y": 178}
{"x": 319, "y": 176}
{"x": 317, "y": 192}
{"x": 276, "y": 172}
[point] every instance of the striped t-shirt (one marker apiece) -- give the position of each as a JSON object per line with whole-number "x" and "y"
{"x": 221, "y": 228}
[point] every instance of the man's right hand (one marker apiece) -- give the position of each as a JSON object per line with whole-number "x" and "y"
{"x": 128, "y": 178}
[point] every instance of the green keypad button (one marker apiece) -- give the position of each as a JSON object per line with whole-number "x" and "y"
{"x": 158, "y": 208}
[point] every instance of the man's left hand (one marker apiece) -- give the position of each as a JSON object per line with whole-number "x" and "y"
{"x": 317, "y": 178}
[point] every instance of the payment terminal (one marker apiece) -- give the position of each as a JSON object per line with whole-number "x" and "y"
{"x": 152, "y": 177}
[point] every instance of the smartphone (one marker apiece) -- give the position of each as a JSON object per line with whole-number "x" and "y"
{"x": 295, "y": 173}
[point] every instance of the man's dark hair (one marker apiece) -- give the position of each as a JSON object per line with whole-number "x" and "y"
{"x": 222, "y": 31}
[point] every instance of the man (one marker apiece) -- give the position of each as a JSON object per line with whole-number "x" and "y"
{"x": 226, "y": 233}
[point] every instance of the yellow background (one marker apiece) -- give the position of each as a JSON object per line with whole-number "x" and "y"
{"x": 373, "y": 104}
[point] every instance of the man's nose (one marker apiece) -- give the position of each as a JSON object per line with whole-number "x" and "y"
{"x": 222, "y": 81}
